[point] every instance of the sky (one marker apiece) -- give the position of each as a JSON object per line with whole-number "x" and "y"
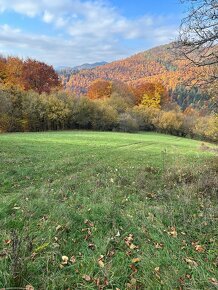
{"x": 73, "y": 32}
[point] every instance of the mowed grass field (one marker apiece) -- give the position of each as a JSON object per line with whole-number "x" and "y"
{"x": 96, "y": 210}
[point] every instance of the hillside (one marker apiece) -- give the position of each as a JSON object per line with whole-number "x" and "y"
{"x": 156, "y": 64}
{"x": 87, "y": 206}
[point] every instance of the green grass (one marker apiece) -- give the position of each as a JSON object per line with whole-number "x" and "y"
{"x": 123, "y": 184}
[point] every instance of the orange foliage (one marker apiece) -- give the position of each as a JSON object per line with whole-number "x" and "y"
{"x": 100, "y": 89}
{"x": 158, "y": 65}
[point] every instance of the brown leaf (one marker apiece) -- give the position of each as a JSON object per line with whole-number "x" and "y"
{"x": 213, "y": 281}
{"x": 91, "y": 246}
{"x": 29, "y": 287}
{"x": 89, "y": 223}
{"x": 97, "y": 281}
{"x": 133, "y": 247}
{"x": 101, "y": 263}
{"x": 173, "y": 232}
{"x": 159, "y": 246}
{"x": 7, "y": 242}
{"x": 87, "y": 278}
{"x": 191, "y": 262}
{"x": 188, "y": 276}
{"x": 73, "y": 259}
{"x": 111, "y": 253}
{"x": 136, "y": 260}
{"x": 64, "y": 260}
{"x": 106, "y": 282}
{"x": 199, "y": 248}
{"x": 151, "y": 194}
{"x": 134, "y": 269}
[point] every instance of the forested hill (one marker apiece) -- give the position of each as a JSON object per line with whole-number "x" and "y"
{"x": 158, "y": 64}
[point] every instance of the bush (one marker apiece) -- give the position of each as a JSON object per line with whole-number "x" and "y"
{"x": 104, "y": 117}
{"x": 127, "y": 123}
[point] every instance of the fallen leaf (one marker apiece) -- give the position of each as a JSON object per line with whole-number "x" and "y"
{"x": 91, "y": 246}
{"x": 199, "y": 248}
{"x": 151, "y": 194}
{"x": 97, "y": 281}
{"x": 136, "y": 260}
{"x": 106, "y": 282}
{"x": 73, "y": 259}
{"x": 173, "y": 232}
{"x": 118, "y": 234}
{"x": 133, "y": 247}
{"x": 58, "y": 227}
{"x": 157, "y": 269}
{"x": 89, "y": 223}
{"x": 101, "y": 264}
{"x": 133, "y": 281}
{"x": 111, "y": 253}
{"x": 213, "y": 281}
{"x": 157, "y": 272}
{"x": 133, "y": 267}
{"x": 29, "y": 287}
{"x": 87, "y": 278}
{"x": 159, "y": 246}
{"x": 7, "y": 242}
{"x": 64, "y": 260}
{"x": 191, "y": 262}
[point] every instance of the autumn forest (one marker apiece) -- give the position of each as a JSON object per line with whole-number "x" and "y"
{"x": 149, "y": 91}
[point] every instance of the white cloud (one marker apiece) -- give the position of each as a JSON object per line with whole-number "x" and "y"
{"x": 91, "y": 29}
{"x": 48, "y": 17}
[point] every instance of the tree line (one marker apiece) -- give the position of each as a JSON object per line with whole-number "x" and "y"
{"x": 108, "y": 106}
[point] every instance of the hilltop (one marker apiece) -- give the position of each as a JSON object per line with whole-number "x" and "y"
{"x": 156, "y": 64}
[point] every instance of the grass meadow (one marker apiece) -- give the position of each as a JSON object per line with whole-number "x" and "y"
{"x": 97, "y": 210}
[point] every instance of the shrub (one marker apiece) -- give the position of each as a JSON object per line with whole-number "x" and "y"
{"x": 127, "y": 123}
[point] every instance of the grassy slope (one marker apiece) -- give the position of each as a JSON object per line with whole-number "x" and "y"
{"x": 121, "y": 183}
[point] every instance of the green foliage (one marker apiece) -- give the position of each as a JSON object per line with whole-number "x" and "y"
{"x": 30, "y": 111}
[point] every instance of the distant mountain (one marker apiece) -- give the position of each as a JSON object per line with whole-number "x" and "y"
{"x": 68, "y": 70}
{"x": 90, "y": 65}
{"x": 158, "y": 64}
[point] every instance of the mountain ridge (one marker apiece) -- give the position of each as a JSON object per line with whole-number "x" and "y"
{"x": 158, "y": 64}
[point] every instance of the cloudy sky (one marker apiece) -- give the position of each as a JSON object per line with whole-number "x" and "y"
{"x": 72, "y": 32}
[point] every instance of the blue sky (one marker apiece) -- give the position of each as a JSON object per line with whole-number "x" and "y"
{"x": 72, "y": 32}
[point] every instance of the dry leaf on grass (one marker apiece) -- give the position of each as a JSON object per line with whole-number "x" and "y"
{"x": 7, "y": 242}
{"x": 198, "y": 248}
{"x": 159, "y": 246}
{"x": 213, "y": 281}
{"x": 58, "y": 228}
{"x": 133, "y": 247}
{"x": 73, "y": 259}
{"x": 64, "y": 260}
{"x": 173, "y": 232}
{"x": 136, "y": 260}
{"x": 191, "y": 262}
{"x": 91, "y": 246}
{"x": 87, "y": 278}
{"x": 29, "y": 287}
{"x": 100, "y": 261}
{"x": 89, "y": 223}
